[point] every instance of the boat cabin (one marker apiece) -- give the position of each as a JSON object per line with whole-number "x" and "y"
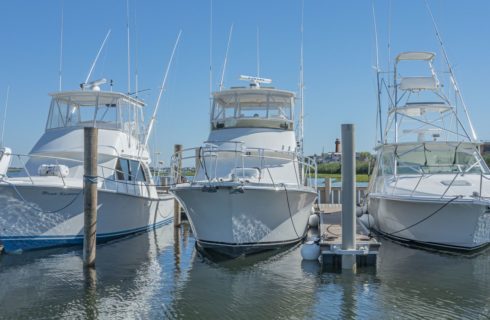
{"x": 99, "y": 109}
{"x": 252, "y": 107}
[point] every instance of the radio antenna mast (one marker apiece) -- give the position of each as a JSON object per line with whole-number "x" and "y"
{"x": 128, "y": 44}
{"x": 5, "y": 115}
{"x": 226, "y": 59}
{"x": 60, "y": 71}
{"x": 258, "y": 53}
{"x": 210, "y": 52}
{"x": 301, "y": 84}
{"x": 378, "y": 86}
{"x": 154, "y": 116}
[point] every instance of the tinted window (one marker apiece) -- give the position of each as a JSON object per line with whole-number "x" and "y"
{"x": 137, "y": 173}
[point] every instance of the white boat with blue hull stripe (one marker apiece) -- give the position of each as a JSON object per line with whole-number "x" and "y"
{"x": 41, "y": 201}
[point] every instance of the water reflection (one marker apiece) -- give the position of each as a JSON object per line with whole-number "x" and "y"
{"x": 54, "y": 284}
{"x": 161, "y": 275}
{"x": 264, "y": 286}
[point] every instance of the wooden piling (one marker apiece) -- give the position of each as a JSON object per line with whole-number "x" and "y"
{"x": 178, "y": 179}
{"x": 328, "y": 189}
{"x": 90, "y": 196}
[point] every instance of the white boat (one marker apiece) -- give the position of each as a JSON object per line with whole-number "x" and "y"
{"x": 249, "y": 191}
{"x": 41, "y": 200}
{"x": 430, "y": 185}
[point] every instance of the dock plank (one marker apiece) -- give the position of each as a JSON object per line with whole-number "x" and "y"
{"x": 331, "y": 228}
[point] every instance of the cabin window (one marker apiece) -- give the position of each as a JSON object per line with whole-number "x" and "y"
{"x": 137, "y": 173}
{"x": 130, "y": 170}
{"x": 254, "y": 108}
{"x": 107, "y": 111}
{"x": 123, "y": 169}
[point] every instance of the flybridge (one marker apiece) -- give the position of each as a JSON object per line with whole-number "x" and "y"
{"x": 100, "y": 109}
{"x": 253, "y": 108}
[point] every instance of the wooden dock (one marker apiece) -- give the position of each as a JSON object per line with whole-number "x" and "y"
{"x": 330, "y": 232}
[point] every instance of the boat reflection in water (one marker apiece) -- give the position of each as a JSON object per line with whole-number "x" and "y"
{"x": 53, "y": 283}
{"x": 152, "y": 277}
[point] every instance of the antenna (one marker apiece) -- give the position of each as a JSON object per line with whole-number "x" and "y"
{"x": 61, "y": 44}
{"x": 389, "y": 43}
{"x": 377, "y": 76}
{"x": 97, "y": 56}
{"x": 255, "y": 81}
{"x": 226, "y": 58}
{"x": 154, "y": 116}
{"x": 94, "y": 85}
{"x": 136, "y": 72}
{"x": 301, "y": 83}
{"x": 5, "y": 115}
{"x": 129, "y": 57}
{"x": 210, "y": 51}
{"x": 258, "y": 55}
{"x": 451, "y": 73}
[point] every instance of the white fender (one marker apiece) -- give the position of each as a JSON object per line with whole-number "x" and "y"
{"x": 5, "y": 159}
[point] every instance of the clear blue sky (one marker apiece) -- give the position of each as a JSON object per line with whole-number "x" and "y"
{"x": 338, "y": 49}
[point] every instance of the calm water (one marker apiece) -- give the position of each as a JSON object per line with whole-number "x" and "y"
{"x": 151, "y": 276}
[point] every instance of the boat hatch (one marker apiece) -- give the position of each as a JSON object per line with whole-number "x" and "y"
{"x": 457, "y": 183}
{"x": 253, "y": 108}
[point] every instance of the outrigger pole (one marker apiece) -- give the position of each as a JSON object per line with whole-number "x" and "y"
{"x": 154, "y": 116}
{"x": 97, "y": 56}
{"x": 226, "y": 59}
{"x": 453, "y": 77}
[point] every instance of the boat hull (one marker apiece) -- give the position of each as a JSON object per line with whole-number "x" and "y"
{"x": 35, "y": 217}
{"x": 460, "y": 225}
{"x": 234, "y": 221}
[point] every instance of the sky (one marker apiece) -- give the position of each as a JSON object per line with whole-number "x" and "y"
{"x": 339, "y": 56}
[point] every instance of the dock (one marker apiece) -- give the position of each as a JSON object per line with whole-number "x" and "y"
{"x": 330, "y": 232}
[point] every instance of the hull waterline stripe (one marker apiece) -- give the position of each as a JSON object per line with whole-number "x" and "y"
{"x": 80, "y": 236}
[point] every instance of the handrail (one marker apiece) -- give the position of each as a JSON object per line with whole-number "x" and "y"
{"x": 107, "y": 174}
{"x": 214, "y": 151}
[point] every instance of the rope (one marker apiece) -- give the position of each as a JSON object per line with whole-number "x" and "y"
{"x": 433, "y": 213}
{"x": 289, "y": 208}
{"x": 91, "y": 179}
{"x": 202, "y": 163}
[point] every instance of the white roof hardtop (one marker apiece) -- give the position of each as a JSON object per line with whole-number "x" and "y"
{"x": 89, "y": 97}
{"x": 422, "y": 107}
{"x": 414, "y": 55}
{"x": 250, "y": 95}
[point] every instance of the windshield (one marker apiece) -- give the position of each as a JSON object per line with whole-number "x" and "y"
{"x": 431, "y": 159}
{"x": 253, "y": 109}
{"x": 114, "y": 113}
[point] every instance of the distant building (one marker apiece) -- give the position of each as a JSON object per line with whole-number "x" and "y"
{"x": 327, "y": 157}
{"x": 485, "y": 147}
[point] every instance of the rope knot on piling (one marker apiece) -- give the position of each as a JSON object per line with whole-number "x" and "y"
{"x": 90, "y": 179}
